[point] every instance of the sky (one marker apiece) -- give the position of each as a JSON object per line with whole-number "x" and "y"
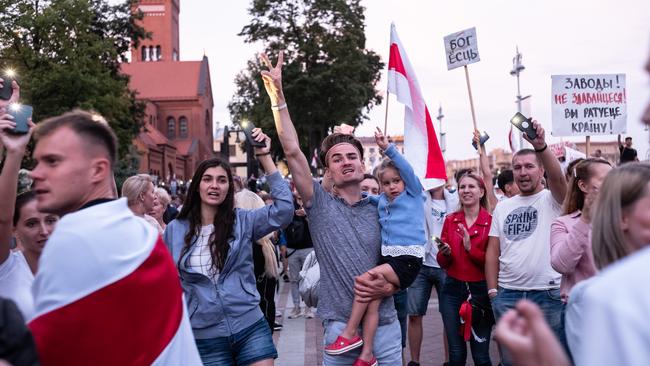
{"x": 554, "y": 37}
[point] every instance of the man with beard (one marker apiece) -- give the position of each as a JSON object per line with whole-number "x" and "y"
{"x": 517, "y": 262}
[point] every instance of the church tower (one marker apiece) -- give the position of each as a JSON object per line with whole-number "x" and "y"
{"x": 161, "y": 20}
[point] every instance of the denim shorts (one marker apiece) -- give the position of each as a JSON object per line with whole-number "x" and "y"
{"x": 248, "y": 346}
{"x": 420, "y": 291}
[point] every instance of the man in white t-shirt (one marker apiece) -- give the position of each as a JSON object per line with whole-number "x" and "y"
{"x": 517, "y": 261}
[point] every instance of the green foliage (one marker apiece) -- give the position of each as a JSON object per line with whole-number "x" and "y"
{"x": 67, "y": 54}
{"x": 329, "y": 77}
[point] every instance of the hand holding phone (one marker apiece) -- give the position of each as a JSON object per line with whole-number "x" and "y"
{"x": 442, "y": 247}
{"x": 247, "y": 127}
{"x": 21, "y": 114}
{"x": 482, "y": 139}
{"x": 524, "y": 125}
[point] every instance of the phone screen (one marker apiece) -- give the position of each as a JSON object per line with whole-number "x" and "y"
{"x": 22, "y": 114}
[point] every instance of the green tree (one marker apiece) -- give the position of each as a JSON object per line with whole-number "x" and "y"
{"x": 329, "y": 77}
{"x": 67, "y": 54}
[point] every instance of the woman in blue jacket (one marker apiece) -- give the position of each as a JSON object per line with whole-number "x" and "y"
{"x": 212, "y": 244}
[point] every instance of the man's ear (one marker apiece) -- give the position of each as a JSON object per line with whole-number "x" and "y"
{"x": 100, "y": 169}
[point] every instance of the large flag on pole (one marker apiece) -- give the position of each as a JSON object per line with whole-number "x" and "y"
{"x": 421, "y": 146}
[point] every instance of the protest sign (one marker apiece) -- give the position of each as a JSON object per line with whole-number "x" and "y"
{"x": 461, "y": 48}
{"x": 587, "y": 105}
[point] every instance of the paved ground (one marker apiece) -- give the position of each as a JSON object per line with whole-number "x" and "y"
{"x": 300, "y": 342}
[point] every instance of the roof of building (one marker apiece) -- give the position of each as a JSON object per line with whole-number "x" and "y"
{"x": 153, "y": 138}
{"x": 186, "y": 147}
{"x": 169, "y": 80}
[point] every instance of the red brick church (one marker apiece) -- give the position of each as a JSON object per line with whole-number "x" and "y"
{"x": 177, "y": 131}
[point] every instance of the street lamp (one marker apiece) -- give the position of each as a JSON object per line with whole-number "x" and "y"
{"x": 517, "y": 68}
{"x": 443, "y": 142}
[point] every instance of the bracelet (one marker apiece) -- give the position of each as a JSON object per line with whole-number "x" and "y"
{"x": 263, "y": 154}
{"x": 542, "y": 149}
{"x": 492, "y": 291}
{"x": 279, "y": 107}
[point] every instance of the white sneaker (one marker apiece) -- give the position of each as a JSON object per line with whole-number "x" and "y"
{"x": 278, "y": 314}
{"x": 309, "y": 313}
{"x": 295, "y": 313}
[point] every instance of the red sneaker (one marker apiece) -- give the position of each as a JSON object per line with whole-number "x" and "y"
{"x": 360, "y": 362}
{"x": 342, "y": 345}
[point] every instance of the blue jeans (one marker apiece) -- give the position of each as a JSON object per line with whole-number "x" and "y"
{"x": 250, "y": 345}
{"x": 420, "y": 290}
{"x": 454, "y": 294}
{"x": 549, "y": 302}
{"x": 400, "y": 299}
{"x": 387, "y": 347}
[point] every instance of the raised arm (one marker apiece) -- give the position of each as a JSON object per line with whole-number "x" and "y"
{"x": 411, "y": 180}
{"x": 15, "y": 146}
{"x": 486, "y": 172}
{"x": 555, "y": 180}
{"x": 277, "y": 215}
{"x": 296, "y": 160}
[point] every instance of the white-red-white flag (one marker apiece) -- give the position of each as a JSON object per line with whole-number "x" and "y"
{"x": 107, "y": 293}
{"x": 421, "y": 147}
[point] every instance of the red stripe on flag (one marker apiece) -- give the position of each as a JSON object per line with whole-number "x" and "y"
{"x": 395, "y": 60}
{"x": 435, "y": 161}
{"x": 129, "y": 322}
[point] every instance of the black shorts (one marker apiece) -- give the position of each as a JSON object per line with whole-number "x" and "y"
{"x": 406, "y": 268}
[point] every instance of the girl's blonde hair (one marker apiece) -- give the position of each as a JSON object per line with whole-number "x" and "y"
{"x": 621, "y": 189}
{"x": 248, "y": 200}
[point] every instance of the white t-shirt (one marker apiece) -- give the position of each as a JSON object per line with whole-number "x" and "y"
{"x": 16, "y": 280}
{"x": 435, "y": 212}
{"x": 613, "y": 326}
{"x": 523, "y": 226}
{"x": 200, "y": 257}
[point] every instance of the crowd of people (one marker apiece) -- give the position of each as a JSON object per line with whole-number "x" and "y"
{"x": 90, "y": 276}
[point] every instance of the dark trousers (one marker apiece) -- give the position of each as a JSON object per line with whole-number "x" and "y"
{"x": 454, "y": 294}
{"x": 266, "y": 287}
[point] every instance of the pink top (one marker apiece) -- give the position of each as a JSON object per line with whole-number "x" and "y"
{"x": 571, "y": 253}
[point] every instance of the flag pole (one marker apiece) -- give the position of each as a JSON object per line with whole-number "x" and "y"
{"x": 587, "y": 145}
{"x": 471, "y": 104}
{"x": 386, "y": 115}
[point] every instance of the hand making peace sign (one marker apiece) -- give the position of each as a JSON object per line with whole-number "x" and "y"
{"x": 273, "y": 78}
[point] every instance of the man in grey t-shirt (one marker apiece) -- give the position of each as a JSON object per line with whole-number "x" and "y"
{"x": 344, "y": 229}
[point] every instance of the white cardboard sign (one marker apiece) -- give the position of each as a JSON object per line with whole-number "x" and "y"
{"x": 461, "y": 48}
{"x": 588, "y": 105}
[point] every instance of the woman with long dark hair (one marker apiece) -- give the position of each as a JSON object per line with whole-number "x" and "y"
{"x": 461, "y": 254}
{"x": 212, "y": 244}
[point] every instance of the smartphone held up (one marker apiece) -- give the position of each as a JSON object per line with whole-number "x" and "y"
{"x": 21, "y": 114}
{"x": 248, "y": 126}
{"x": 8, "y": 76}
{"x": 524, "y": 125}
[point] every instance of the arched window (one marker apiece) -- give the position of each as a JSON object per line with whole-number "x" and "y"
{"x": 182, "y": 122}
{"x": 158, "y": 53}
{"x": 171, "y": 128}
{"x": 144, "y": 53}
